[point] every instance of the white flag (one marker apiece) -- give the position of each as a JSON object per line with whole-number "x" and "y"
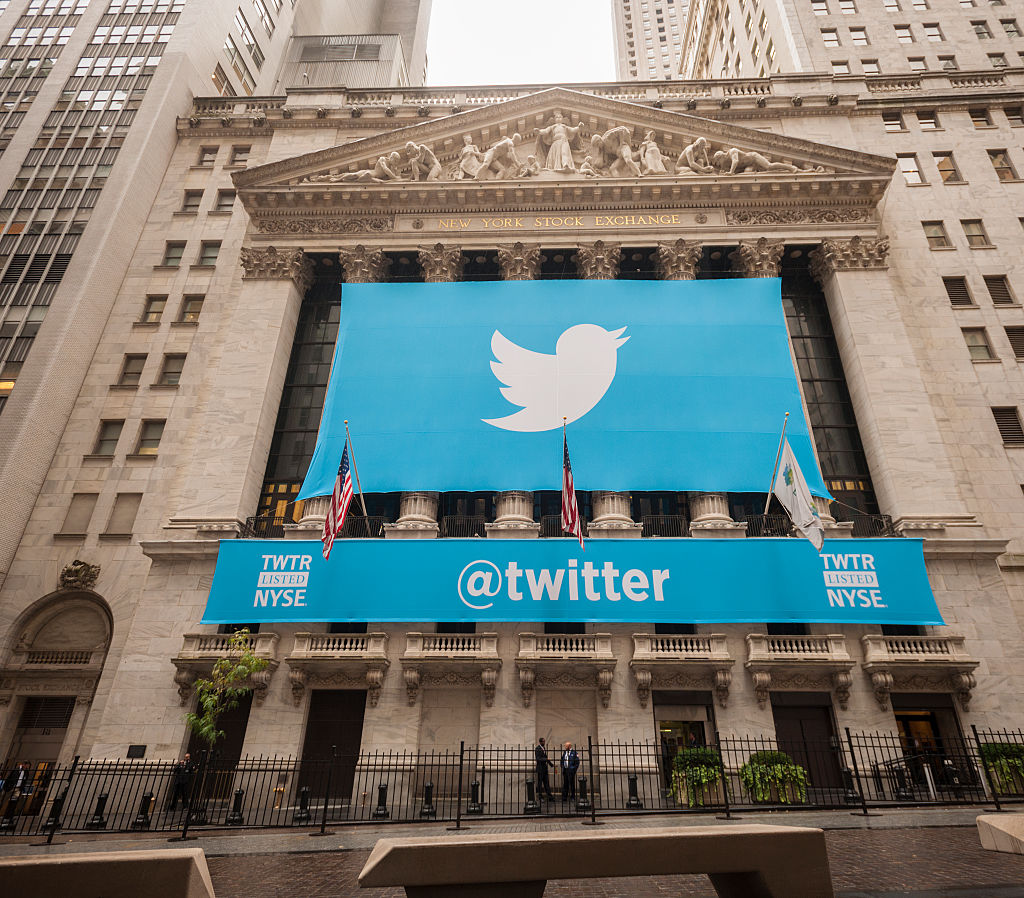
{"x": 792, "y": 491}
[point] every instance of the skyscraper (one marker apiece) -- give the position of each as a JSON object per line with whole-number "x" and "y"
{"x": 648, "y": 38}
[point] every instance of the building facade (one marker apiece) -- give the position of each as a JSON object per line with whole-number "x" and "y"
{"x": 192, "y": 384}
{"x": 648, "y": 38}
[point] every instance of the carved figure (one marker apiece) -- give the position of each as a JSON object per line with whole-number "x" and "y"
{"x": 423, "y": 164}
{"x": 651, "y": 160}
{"x": 79, "y": 575}
{"x": 587, "y": 167}
{"x": 694, "y": 158}
{"x": 470, "y": 159}
{"x": 501, "y": 161}
{"x": 735, "y": 161}
{"x": 612, "y": 151}
{"x": 555, "y": 144}
{"x": 386, "y": 168}
{"x": 532, "y": 167}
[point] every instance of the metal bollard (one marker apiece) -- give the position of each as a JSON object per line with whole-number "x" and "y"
{"x": 532, "y": 806}
{"x": 428, "y": 809}
{"x": 903, "y": 791}
{"x": 97, "y": 820}
{"x": 236, "y": 818}
{"x": 850, "y": 794}
{"x": 10, "y": 819}
{"x": 142, "y": 820}
{"x": 474, "y": 807}
{"x": 381, "y": 811}
{"x": 633, "y": 803}
{"x": 583, "y": 802}
{"x": 302, "y": 814}
{"x": 53, "y": 821}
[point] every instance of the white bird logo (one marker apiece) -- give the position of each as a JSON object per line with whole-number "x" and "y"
{"x": 549, "y": 387}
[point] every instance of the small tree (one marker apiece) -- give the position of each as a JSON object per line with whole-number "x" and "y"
{"x": 228, "y": 682}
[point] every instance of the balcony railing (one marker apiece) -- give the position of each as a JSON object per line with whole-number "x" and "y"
{"x": 764, "y": 648}
{"x": 450, "y": 646}
{"x": 915, "y": 649}
{"x": 355, "y": 527}
{"x": 649, "y": 647}
{"x": 333, "y": 646}
{"x": 867, "y": 526}
{"x": 212, "y": 646}
{"x": 551, "y": 526}
{"x": 462, "y": 525}
{"x": 768, "y": 525}
{"x": 565, "y": 646}
{"x": 668, "y": 525}
{"x": 263, "y": 527}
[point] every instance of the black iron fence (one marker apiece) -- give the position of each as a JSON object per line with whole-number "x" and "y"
{"x": 856, "y": 771}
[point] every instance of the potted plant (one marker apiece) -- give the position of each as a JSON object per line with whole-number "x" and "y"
{"x": 1005, "y": 762}
{"x": 773, "y": 777}
{"x": 697, "y": 773}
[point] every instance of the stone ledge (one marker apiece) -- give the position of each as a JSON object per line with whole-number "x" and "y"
{"x": 948, "y": 548}
{"x": 180, "y": 549}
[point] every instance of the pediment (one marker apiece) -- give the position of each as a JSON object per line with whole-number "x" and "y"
{"x": 558, "y": 130}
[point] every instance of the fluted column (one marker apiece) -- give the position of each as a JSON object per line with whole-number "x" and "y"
{"x": 363, "y": 265}
{"x": 417, "y": 517}
{"x": 679, "y": 260}
{"x": 441, "y": 263}
{"x": 513, "y": 516}
{"x": 758, "y": 258}
{"x": 833, "y": 529}
{"x": 710, "y": 516}
{"x": 598, "y": 260}
{"x": 519, "y": 261}
{"x": 311, "y": 524}
{"x": 612, "y": 519}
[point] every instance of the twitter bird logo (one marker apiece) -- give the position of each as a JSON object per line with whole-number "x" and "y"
{"x": 547, "y": 387}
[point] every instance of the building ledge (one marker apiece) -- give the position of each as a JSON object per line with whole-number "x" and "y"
{"x": 585, "y": 660}
{"x": 657, "y": 659}
{"x": 200, "y": 651}
{"x": 919, "y": 663}
{"x": 353, "y": 660}
{"x": 180, "y": 549}
{"x": 799, "y": 662}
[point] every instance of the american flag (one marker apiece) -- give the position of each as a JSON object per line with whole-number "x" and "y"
{"x": 570, "y": 511}
{"x": 341, "y": 498}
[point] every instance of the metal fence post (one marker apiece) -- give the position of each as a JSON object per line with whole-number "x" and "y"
{"x": 53, "y": 824}
{"x": 458, "y": 794}
{"x": 860, "y": 785}
{"x": 327, "y": 792}
{"x": 984, "y": 766}
{"x": 725, "y": 778}
{"x": 593, "y": 821}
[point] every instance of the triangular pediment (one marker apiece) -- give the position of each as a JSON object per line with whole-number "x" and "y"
{"x": 681, "y": 147}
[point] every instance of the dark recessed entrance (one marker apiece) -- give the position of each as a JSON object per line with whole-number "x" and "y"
{"x": 335, "y": 721}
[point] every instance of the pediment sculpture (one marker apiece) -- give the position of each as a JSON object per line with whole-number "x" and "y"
{"x": 561, "y": 150}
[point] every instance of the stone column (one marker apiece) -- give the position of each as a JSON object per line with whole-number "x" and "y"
{"x": 912, "y": 473}
{"x": 417, "y": 517}
{"x": 519, "y": 261}
{"x": 441, "y": 263}
{"x": 678, "y": 261}
{"x": 599, "y": 261}
{"x": 758, "y": 258}
{"x": 513, "y": 516}
{"x": 363, "y": 265}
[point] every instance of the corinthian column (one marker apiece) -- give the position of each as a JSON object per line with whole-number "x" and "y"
{"x": 678, "y": 261}
{"x": 363, "y": 265}
{"x": 441, "y": 263}
{"x": 519, "y": 261}
{"x": 758, "y": 258}
{"x": 599, "y": 261}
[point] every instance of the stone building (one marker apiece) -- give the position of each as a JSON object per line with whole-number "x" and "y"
{"x": 648, "y": 38}
{"x": 888, "y": 206}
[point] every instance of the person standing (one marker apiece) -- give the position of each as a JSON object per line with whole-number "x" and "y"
{"x": 543, "y": 763}
{"x": 181, "y": 779}
{"x": 569, "y": 765}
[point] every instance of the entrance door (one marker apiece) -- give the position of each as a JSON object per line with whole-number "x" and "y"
{"x": 807, "y": 735}
{"x": 41, "y": 728}
{"x": 335, "y": 721}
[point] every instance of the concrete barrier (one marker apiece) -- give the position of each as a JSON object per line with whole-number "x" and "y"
{"x": 1002, "y": 832}
{"x": 742, "y": 861}
{"x": 167, "y": 873}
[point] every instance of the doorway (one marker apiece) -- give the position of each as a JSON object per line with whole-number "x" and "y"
{"x": 805, "y": 730}
{"x": 681, "y": 720}
{"x": 42, "y": 726}
{"x": 334, "y": 729}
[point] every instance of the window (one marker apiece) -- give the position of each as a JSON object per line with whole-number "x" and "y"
{"x": 981, "y": 30}
{"x": 153, "y": 309}
{"x": 240, "y": 155}
{"x": 191, "y": 201}
{"x": 917, "y": 64}
{"x": 762, "y": 24}
{"x": 859, "y": 36}
{"x": 238, "y": 64}
{"x": 847, "y": 7}
{"x": 249, "y": 39}
{"x": 1016, "y": 337}
{"x": 928, "y": 120}
{"x": 131, "y": 370}
{"x": 977, "y": 344}
{"x": 208, "y": 251}
{"x": 956, "y": 290}
{"x": 225, "y": 201}
{"x": 207, "y": 155}
{"x": 967, "y": 4}
{"x": 948, "y": 64}
{"x": 1001, "y": 163}
{"x": 76, "y": 521}
{"x": 222, "y": 83}
{"x": 935, "y": 234}
{"x": 948, "y": 171}
{"x": 191, "y": 306}
{"x": 1011, "y": 27}
{"x": 820, "y": 8}
{"x": 1015, "y": 116}
{"x": 870, "y": 66}
{"x": 1008, "y": 422}
{"x": 999, "y": 289}
{"x": 891, "y": 5}
{"x": 264, "y": 16}
{"x": 122, "y": 516}
{"x": 840, "y": 67}
{"x": 998, "y": 60}
{"x": 173, "y": 252}
{"x": 830, "y": 36}
{"x": 149, "y": 437}
{"x": 893, "y": 121}
{"x": 106, "y": 441}
{"x": 933, "y": 32}
{"x": 909, "y": 167}
{"x": 903, "y": 34}
{"x": 974, "y": 231}
{"x": 980, "y": 117}
{"x": 170, "y": 373}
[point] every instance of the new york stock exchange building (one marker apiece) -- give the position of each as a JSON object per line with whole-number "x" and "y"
{"x": 702, "y": 257}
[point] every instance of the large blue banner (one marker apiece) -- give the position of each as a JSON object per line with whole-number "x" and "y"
{"x": 880, "y": 581}
{"x": 666, "y": 385}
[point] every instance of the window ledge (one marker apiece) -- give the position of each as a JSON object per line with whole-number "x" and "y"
{"x": 166, "y": 267}
{"x": 986, "y": 127}
{"x": 123, "y": 537}
{"x": 952, "y": 183}
{"x": 1013, "y": 445}
{"x": 191, "y": 212}
{"x": 1006, "y": 305}
{"x": 124, "y": 386}
{"x": 163, "y": 386}
{"x": 987, "y": 361}
{"x": 69, "y": 536}
{"x": 184, "y": 324}
{"x": 236, "y": 165}
{"x": 223, "y": 213}
{"x": 147, "y": 325}
{"x": 982, "y": 246}
{"x": 919, "y": 184}
{"x": 201, "y": 167}
{"x": 92, "y": 456}
{"x": 1011, "y": 180}
{"x": 942, "y": 249}
{"x": 201, "y": 267}
{"x": 135, "y": 456}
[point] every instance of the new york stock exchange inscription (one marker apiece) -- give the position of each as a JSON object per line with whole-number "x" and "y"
{"x": 657, "y": 220}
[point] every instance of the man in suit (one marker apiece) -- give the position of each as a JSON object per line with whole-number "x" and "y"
{"x": 181, "y": 779}
{"x": 543, "y": 763}
{"x": 569, "y": 765}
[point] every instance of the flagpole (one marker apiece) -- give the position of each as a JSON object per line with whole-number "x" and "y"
{"x": 775, "y": 470}
{"x": 355, "y": 470}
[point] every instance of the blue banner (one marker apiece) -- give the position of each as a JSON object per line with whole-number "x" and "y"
{"x": 666, "y": 385}
{"x": 876, "y": 581}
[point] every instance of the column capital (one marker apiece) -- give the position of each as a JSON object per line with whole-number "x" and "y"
{"x": 678, "y": 261}
{"x": 758, "y": 258}
{"x": 270, "y": 263}
{"x": 519, "y": 261}
{"x": 847, "y": 255}
{"x": 441, "y": 263}
{"x": 363, "y": 265}
{"x": 599, "y": 260}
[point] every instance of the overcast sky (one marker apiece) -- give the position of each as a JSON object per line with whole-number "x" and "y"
{"x": 520, "y": 41}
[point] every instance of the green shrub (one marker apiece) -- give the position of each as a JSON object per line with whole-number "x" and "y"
{"x": 688, "y": 758}
{"x": 1005, "y": 762}
{"x": 774, "y": 771}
